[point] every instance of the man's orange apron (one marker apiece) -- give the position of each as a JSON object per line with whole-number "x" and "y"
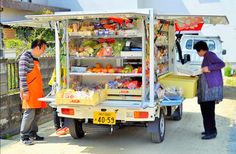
{"x": 35, "y": 87}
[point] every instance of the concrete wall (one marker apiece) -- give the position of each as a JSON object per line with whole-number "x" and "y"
{"x": 10, "y": 105}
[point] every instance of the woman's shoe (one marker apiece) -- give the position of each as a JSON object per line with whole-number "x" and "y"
{"x": 209, "y": 136}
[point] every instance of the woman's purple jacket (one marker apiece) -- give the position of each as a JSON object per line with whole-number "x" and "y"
{"x": 214, "y": 78}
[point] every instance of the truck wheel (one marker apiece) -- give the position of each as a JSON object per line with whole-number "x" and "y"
{"x": 177, "y": 115}
{"x": 75, "y": 128}
{"x": 159, "y": 134}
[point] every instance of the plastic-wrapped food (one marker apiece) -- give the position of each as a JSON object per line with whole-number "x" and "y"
{"x": 172, "y": 93}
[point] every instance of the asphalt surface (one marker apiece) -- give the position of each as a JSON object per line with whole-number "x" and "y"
{"x": 182, "y": 137}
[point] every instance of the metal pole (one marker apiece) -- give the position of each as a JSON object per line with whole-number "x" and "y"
{"x": 151, "y": 39}
{"x": 143, "y": 62}
{"x": 67, "y": 57}
{"x": 57, "y": 51}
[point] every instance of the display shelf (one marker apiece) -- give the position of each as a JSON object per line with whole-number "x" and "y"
{"x": 76, "y": 34}
{"x": 123, "y": 97}
{"x": 107, "y": 74}
{"x": 102, "y": 58}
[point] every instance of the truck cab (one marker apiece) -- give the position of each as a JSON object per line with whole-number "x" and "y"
{"x": 214, "y": 44}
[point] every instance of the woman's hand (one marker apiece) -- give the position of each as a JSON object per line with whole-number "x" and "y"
{"x": 205, "y": 69}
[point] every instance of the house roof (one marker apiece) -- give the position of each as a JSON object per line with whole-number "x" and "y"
{"x": 29, "y": 6}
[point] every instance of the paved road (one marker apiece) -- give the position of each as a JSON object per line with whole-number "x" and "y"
{"x": 182, "y": 137}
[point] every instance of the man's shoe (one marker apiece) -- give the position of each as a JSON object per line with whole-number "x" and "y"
{"x": 204, "y": 133}
{"x": 37, "y": 138}
{"x": 27, "y": 141}
{"x": 209, "y": 136}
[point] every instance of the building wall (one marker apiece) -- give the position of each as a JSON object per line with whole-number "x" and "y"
{"x": 42, "y": 2}
{"x": 201, "y": 7}
{"x": 13, "y": 15}
{"x": 79, "y": 5}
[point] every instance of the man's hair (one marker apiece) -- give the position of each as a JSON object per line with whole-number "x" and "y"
{"x": 200, "y": 45}
{"x": 38, "y": 42}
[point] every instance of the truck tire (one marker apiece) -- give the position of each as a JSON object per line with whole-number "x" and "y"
{"x": 159, "y": 134}
{"x": 177, "y": 115}
{"x": 75, "y": 128}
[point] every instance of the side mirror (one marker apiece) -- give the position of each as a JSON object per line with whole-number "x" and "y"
{"x": 187, "y": 58}
{"x": 223, "y": 52}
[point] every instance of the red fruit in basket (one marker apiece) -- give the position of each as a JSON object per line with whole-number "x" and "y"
{"x": 102, "y": 40}
{"x": 110, "y": 40}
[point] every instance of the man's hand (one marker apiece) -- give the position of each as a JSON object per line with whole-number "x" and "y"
{"x": 205, "y": 70}
{"x": 24, "y": 96}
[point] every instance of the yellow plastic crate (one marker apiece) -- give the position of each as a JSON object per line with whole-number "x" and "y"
{"x": 97, "y": 98}
{"x": 186, "y": 83}
{"x": 124, "y": 94}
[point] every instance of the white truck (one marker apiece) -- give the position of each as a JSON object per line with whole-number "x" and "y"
{"x": 155, "y": 56}
{"x": 187, "y": 42}
{"x": 214, "y": 44}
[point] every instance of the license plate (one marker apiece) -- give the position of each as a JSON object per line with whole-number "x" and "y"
{"x": 106, "y": 118}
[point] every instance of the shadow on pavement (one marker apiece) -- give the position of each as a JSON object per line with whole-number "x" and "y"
{"x": 184, "y": 134}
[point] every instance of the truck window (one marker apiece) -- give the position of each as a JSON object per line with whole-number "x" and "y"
{"x": 211, "y": 45}
{"x": 189, "y": 44}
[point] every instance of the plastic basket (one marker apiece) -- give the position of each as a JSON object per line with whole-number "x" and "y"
{"x": 187, "y": 84}
{"x": 98, "y": 97}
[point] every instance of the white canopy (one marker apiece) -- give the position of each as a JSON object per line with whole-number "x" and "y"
{"x": 41, "y": 21}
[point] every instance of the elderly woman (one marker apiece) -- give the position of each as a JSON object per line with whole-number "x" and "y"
{"x": 210, "y": 88}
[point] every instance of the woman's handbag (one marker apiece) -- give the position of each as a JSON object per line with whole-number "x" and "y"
{"x": 206, "y": 94}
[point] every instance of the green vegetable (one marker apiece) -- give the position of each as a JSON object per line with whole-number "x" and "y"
{"x": 90, "y": 43}
{"x": 227, "y": 71}
{"x": 117, "y": 47}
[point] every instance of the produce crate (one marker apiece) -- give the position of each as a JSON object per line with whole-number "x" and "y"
{"x": 124, "y": 94}
{"x": 97, "y": 98}
{"x": 186, "y": 83}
